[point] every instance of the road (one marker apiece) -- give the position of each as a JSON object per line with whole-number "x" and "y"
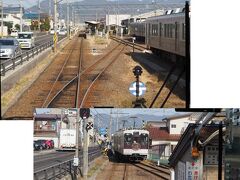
{"x": 39, "y": 39}
{"x": 46, "y": 159}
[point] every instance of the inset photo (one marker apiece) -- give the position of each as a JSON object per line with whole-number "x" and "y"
{"x": 94, "y": 54}
{"x": 159, "y": 143}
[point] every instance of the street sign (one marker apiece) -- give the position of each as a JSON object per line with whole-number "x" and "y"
{"x": 89, "y": 126}
{"x": 72, "y": 112}
{"x": 142, "y": 88}
{"x": 75, "y": 161}
{"x": 102, "y": 131}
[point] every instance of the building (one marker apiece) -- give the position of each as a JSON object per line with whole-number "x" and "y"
{"x": 47, "y": 126}
{"x": 114, "y": 21}
{"x": 10, "y": 18}
{"x": 188, "y": 163}
{"x": 165, "y": 135}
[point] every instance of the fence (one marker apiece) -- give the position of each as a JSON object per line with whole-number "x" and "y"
{"x": 11, "y": 64}
{"x": 65, "y": 168}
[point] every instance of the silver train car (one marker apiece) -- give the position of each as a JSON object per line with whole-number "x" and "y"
{"x": 164, "y": 35}
{"x": 137, "y": 29}
{"x": 131, "y": 144}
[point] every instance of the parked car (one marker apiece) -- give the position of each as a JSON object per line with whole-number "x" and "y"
{"x": 40, "y": 144}
{"x": 50, "y": 144}
{"x": 36, "y": 146}
{"x": 62, "y": 32}
{"x": 52, "y": 31}
{"x": 9, "y": 48}
{"x": 14, "y": 33}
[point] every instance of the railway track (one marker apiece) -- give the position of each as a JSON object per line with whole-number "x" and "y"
{"x": 67, "y": 74}
{"x": 35, "y": 96}
{"x": 88, "y": 77}
{"x": 160, "y": 172}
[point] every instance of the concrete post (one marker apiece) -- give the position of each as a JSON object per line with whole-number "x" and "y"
{"x": 55, "y": 24}
{"x": 1, "y": 18}
{"x": 21, "y": 15}
{"x": 85, "y": 150}
{"x": 39, "y": 16}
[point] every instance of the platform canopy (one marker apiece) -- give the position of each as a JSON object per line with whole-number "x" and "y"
{"x": 92, "y": 22}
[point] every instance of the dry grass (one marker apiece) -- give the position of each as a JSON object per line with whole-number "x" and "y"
{"x": 97, "y": 165}
{"x": 25, "y": 81}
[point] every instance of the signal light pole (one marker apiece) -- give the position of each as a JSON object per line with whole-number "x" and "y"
{"x": 55, "y": 25}
{"x": 1, "y": 18}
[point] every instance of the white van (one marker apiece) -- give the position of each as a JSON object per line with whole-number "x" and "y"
{"x": 14, "y": 33}
{"x": 26, "y": 40}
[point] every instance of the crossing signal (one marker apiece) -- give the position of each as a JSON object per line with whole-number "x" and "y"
{"x": 84, "y": 113}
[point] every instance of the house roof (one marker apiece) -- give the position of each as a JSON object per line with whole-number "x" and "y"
{"x": 178, "y": 116}
{"x": 187, "y": 137}
{"x": 156, "y": 133}
{"x": 92, "y": 22}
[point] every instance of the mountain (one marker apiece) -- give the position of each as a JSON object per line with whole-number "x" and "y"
{"x": 102, "y": 120}
{"x": 92, "y": 9}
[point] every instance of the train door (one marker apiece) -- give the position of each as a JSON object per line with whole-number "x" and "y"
{"x": 148, "y": 34}
{"x": 176, "y": 36}
{"x": 160, "y": 34}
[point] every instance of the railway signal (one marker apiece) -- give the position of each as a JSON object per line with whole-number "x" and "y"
{"x": 140, "y": 88}
{"x": 89, "y": 126}
{"x": 84, "y": 113}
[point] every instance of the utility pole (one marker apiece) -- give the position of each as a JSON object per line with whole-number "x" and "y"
{"x": 76, "y": 157}
{"x": 117, "y": 119}
{"x": 134, "y": 121}
{"x": 85, "y": 150}
{"x": 21, "y": 15}
{"x": 49, "y": 8}
{"x": 73, "y": 21}
{"x": 110, "y": 126}
{"x": 1, "y": 18}
{"x": 39, "y": 15}
{"x": 68, "y": 35}
{"x": 55, "y": 25}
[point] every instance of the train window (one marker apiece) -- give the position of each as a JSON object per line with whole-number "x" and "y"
{"x": 128, "y": 138}
{"x": 171, "y": 30}
{"x": 183, "y": 31}
{"x": 165, "y": 30}
{"x": 160, "y": 29}
{"x": 176, "y": 30}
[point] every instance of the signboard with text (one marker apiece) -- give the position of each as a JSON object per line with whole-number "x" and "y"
{"x": 192, "y": 170}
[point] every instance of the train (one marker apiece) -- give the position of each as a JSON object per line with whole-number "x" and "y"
{"x": 164, "y": 35}
{"x": 131, "y": 144}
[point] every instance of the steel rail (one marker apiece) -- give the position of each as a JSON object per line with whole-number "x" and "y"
{"x": 151, "y": 172}
{"x": 96, "y": 78}
{"x": 163, "y": 169}
{"x": 81, "y": 73}
{"x": 72, "y": 80}
{"x": 141, "y": 48}
{"x": 59, "y": 74}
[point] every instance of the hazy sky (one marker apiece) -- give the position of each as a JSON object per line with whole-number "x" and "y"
{"x": 27, "y": 3}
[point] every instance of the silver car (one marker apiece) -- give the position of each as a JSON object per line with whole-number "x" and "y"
{"x": 9, "y": 48}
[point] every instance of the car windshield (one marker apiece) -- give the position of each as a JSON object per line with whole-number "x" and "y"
{"x": 24, "y": 36}
{"x": 6, "y": 42}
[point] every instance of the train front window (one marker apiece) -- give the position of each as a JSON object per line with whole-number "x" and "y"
{"x": 127, "y": 138}
{"x": 144, "y": 139}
